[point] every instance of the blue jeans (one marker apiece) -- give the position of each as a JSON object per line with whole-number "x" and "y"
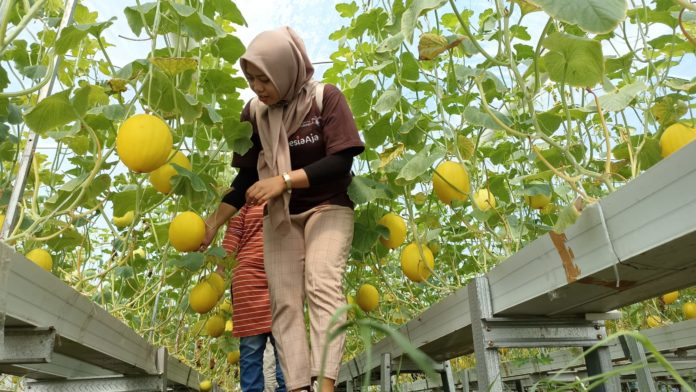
{"x": 251, "y": 350}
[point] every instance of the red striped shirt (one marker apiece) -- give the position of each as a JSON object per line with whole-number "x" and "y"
{"x": 250, "y": 299}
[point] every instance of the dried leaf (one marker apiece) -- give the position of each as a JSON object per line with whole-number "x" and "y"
{"x": 174, "y": 65}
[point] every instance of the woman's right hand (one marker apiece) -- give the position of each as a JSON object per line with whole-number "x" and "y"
{"x": 210, "y": 232}
{"x": 214, "y": 222}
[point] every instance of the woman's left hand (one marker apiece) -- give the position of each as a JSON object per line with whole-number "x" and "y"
{"x": 265, "y": 190}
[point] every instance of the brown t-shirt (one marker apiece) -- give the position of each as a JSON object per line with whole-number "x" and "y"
{"x": 322, "y": 133}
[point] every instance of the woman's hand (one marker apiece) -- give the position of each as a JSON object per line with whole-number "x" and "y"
{"x": 265, "y": 190}
{"x": 210, "y": 232}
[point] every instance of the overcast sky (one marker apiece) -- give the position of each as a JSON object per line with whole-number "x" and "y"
{"x": 313, "y": 19}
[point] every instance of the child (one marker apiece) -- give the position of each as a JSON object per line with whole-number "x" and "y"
{"x": 250, "y": 299}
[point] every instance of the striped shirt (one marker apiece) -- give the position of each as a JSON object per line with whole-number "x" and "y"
{"x": 250, "y": 298}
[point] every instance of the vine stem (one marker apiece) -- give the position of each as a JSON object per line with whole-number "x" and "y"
{"x": 605, "y": 129}
{"x": 540, "y": 135}
{"x": 5, "y": 21}
{"x": 686, "y": 4}
{"x": 469, "y": 35}
{"x": 683, "y": 29}
{"x": 38, "y": 6}
{"x": 47, "y": 78}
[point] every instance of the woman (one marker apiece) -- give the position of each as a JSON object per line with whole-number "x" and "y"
{"x": 300, "y": 165}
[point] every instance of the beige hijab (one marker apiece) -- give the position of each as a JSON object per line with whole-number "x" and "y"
{"x": 281, "y": 55}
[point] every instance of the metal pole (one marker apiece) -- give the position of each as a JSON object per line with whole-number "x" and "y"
{"x": 636, "y": 354}
{"x": 33, "y": 138}
{"x": 385, "y": 373}
{"x": 447, "y": 378}
{"x": 487, "y": 356}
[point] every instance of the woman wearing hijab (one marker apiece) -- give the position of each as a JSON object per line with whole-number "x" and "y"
{"x": 304, "y": 141}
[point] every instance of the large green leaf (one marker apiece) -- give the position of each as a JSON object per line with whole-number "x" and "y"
{"x": 476, "y": 117}
{"x": 421, "y": 162}
{"x": 364, "y": 190}
{"x": 71, "y": 36}
{"x": 619, "y": 99}
{"x": 387, "y": 101}
{"x": 50, "y": 113}
{"x": 199, "y": 26}
{"x": 594, "y": 16}
{"x": 413, "y": 12}
{"x": 221, "y": 82}
{"x": 229, "y": 10}
{"x": 228, "y": 47}
{"x": 237, "y": 134}
{"x": 161, "y": 95}
{"x": 573, "y": 60}
{"x": 192, "y": 261}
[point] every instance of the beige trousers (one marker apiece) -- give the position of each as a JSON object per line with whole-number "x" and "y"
{"x": 307, "y": 263}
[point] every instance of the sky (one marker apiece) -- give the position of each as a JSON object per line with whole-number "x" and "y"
{"x": 314, "y": 20}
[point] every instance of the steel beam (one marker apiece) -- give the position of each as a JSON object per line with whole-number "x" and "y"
{"x": 27, "y": 345}
{"x": 541, "y": 332}
{"x": 107, "y": 384}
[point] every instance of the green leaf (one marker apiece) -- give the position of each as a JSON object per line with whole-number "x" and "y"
{"x": 364, "y": 190}
{"x": 123, "y": 201}
{"x": 237, "y": 134}
{"x": 229, "y": 48}
{"x": 409, "y": 67}
{"x": 688, "y": 86}
{"x": 549, "y": 122}
{"x": 387, "y": 101}
{"x": 162, "y": 96}
{"x": 192, "y": 261}
{"x": 196, "y": 191}
{"x": 413, "y": 12}
{"x": 124, "y": 272}
{"x": 229, "y": 10}
{"x": 220, "y": 82}
{"x": 66, "y": 241}
{"x": 364, "y": 237}
{"x": 421, "y": 162}
{"x": 50, "y": 113}
{"x": 618, "y": 64}
{"x": 136, "y": 14}
{"x": 87, "y": 97}
{"x": 573, "y": 60}
{"x": 668, "y": 109}
{"x": 347, "y": 10}
{"x": 566, "y": 218}
{"x": 391, "y": 43}
{"x": 173, "y": 66}
{"x": 4, "y": 80}
{"x": 216, "y": 251}
{"x": 648, "y": 155}
{"x": 70, "y": 38}
{"x": 593, "y": 16}
{"x": 182, "y": 9}
{"x": 536, "y": 188}
{"x": 378, "y": 132}
{"x": 620, "y": 99}
{"x": 476, "y": 117}
{"x": 199, "y": 27}
{"x": 361, "y": 98}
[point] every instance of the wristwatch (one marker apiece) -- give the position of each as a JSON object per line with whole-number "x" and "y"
{"x": 288, "y": 182}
